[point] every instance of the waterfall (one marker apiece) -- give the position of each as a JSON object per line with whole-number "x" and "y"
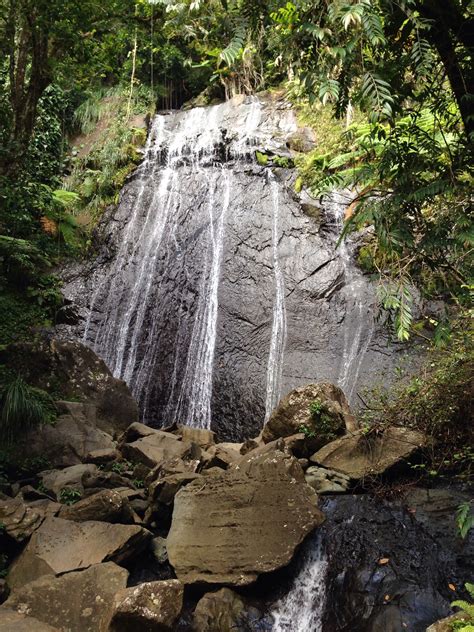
{"x": 132, "y": 298}
{"x": 278, "y": 338}
{"x": 359, "y": 320}
{"x": 301, "y": 609}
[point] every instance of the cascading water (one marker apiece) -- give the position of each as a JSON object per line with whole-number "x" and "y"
{"x": 277, "y": 344}
{"x": 216, "y": 291}
{"x": 301, "y": 609}
{"x": 357, "y": 334}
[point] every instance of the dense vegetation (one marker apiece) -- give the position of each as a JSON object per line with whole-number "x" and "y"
{"x": 397, "y": 75}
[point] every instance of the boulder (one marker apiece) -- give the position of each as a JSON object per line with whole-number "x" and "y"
{"x": 104, "y": 455}
{"x": 219, "y": 611}
{"x": 294, "y": 413}
{"x": 155, "y": 448}
{"x": 158, "y": 547}
{"x": 11, "y": 621}
{"x": 75, "y": 602}
{"x": 4, "y": 590}
{"x": 18, "y": 520}
{"x": 76, "y": 372}
{"x": 60, "y": 546}
{"x": 105, "y": 506}
{"x": 165, "y": 489}
{"x": 200, "y": 436}
{"x": 232, "y": 525}
{"x": 446, "y": 625}
{"x": 221, "y": 456}
{"x": 151, "y": 607}
{"x": 73, "y": 436}
{"x": 69, "y": 478}
{"x": 325, "y": 481}
{"x": 136, "y": 431}
{"x": 360, "y": 455}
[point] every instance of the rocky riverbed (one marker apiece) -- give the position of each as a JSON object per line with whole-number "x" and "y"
{"x": 133, "y": 528}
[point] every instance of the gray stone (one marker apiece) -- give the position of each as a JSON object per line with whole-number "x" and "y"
{"x": 60, "y": 546}
{"x": 151, "y": 607}
{"x": 218, "y": 611}
{"x": 232, "y": 525}
{"x": 160, "y": 553}
{"x": 325, "y": 481}
{"x": 74, "y": 602}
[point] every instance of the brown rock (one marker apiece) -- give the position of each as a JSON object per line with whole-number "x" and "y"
{"x": 360, "y": 455}
{"x": 155, "y": 448}
{"x": 77, "y": 372}
{"x": 18, "y": 520}
{"x": 11, "y": 621}
{"x": 165, "y": 489}
{"x": 293, "y": 413}
{"x": 200, "y": 436}
{"x": 73, "y": 436}
{"x": 70, "y": 477}
{"x": 104, "y": 506}
{"x": 219, "y": 612}
{"x": 150, "y": 607}
{"x": 60, "y": 546}
{"x": 230, "y": 526}
{"x": 75, "y": 602}
{"x": 105, "y": 455}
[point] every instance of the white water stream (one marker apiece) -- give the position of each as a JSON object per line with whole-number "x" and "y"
{"x": 301, "y": 609}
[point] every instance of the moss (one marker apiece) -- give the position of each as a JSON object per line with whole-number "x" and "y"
{"x": 19, "y": 316}
{"x": 262, "y": 159}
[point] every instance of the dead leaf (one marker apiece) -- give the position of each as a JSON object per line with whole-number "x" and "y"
{"x": 384, "y": 560}
{"x": 387, "y": 597}
{"x": 452, "y": 587}
{"x": 48, "y": 225}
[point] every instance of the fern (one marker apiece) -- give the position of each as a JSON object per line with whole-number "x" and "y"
{"x": 235, "y": 47}
{"x": 20, "y": 410}
{"x": 376, "y": 91}
{"x": 465, "y": 522}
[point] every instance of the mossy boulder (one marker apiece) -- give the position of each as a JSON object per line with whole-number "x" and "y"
{"x": 320, "y": 411}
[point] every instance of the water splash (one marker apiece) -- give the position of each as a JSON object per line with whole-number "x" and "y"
{"x": 301, "y": 609}
{"x": 278, "y": 337}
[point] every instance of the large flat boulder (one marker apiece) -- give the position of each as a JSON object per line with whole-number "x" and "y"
{"x": 151, "y": 607}
{"x": 60, "y": 546}
{"x": 320, "y": 410}
{"x": 232, "y": 525}
{"x": 75, "y": 602}
{"x": 69, "y": 478}
{"x": 76, "y": 372}
{"x": 11, "y": 621}
{"x": 360, "y": 455}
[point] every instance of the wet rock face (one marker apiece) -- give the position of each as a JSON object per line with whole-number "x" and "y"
{"x": 214, "y": 294}
{"x": 385, "y": 572}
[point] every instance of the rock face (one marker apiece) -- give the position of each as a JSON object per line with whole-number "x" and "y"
{"x": 230, "y": 526}
{"x": 385, "y": 572}
{"x": 76, "y": 372}
{"x": 237, "y": 267}
{"x": 77, "y": 602}
{"x": 325, "y": 481}
{"x": 59, "y": 546}
{"x": 151, "y": 607}
{"x": 358, "y": 456}
{"x": 294, "y": 412}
